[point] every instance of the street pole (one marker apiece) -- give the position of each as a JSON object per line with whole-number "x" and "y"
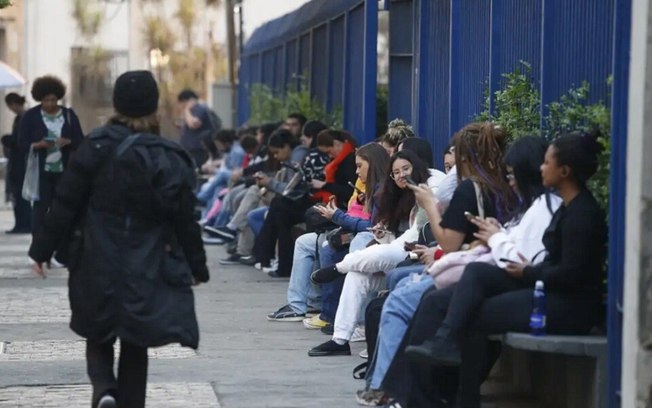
{"x": 230, "y": 32}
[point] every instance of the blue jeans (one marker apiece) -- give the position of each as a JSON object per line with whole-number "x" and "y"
{"x": 331, "y": 291}
{"x": 396, "y": 275}
{"x": 302, "y": 293}
{"x": 209, "y": 190}
{"x": 398, "y": 310}
{"x": 256, "y": 218}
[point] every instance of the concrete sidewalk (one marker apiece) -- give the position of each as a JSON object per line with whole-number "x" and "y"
{"x": 243, "y": 360}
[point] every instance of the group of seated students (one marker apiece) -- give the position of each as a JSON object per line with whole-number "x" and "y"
{"x": 452, "y": 258}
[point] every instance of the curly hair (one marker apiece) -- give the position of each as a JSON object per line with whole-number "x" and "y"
{"x": 397, "y": 131}
{"x": 48, "y": 85}
{"x": 479, "y": 151}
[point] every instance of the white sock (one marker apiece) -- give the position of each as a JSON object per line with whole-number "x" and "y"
{"x": 339, "y": 341}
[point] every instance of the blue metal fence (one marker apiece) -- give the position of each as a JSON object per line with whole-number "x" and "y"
{"x": 329, "y": 43}
{"x": 444, "y": 56}
{"x": 462, "y": 48}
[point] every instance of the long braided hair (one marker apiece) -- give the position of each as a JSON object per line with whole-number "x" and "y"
{"x": 479, "y": 149}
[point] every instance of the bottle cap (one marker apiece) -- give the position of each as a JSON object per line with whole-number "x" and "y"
{"x": 538, "y": 285}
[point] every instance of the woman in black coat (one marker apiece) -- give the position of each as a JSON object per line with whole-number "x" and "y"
{"x": 134, "y": 248}
{"x": 53, "y": 131}
{"x": 16, "y": 169}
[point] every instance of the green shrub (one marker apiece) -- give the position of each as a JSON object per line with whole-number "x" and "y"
{"x": 266, "y": 106}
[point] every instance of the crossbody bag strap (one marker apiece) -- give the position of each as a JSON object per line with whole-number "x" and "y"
{"x": 479, "y": 198}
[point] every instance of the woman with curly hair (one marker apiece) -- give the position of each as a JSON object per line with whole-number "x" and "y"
{"x": 53, "y": 131}
{"x": 397, "y": 132}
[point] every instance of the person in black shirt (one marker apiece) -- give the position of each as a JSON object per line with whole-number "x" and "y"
{"x": 490, "y": 300}
{"x": 16, "y": 169}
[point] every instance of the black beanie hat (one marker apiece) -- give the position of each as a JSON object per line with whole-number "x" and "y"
{"x": 135, "y": 94}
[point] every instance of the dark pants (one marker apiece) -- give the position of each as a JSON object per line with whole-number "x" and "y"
{"x": 283, "y": 213}
{"x": 418, "y": 384}
{"x": 330, "y": 292}
{"x": 22, "y": 208}
{"x": 47, "y": 186}
{"x": 130, "y": 387}
{"x": 488, "y": 301}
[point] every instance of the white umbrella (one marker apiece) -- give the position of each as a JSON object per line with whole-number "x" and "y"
{"x": 9, "y": 77}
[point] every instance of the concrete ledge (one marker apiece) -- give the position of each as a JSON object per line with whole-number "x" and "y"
{"x": 592, "y": 346}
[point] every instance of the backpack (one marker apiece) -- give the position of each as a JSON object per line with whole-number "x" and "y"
{"x": 216, "y": 122}
{"x": 152, "y": 172}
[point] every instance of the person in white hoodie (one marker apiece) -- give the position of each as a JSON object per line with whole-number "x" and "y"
{"x": 520, "y": 237}
{"x": 362, "y": 280}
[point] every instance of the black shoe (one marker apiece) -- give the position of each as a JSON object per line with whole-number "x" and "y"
{"x": 328, "y": 330}
{"x": 248, "y": 260}
{"x": 325, "y": 275}
{"x": 330, "y": 348}
{"x": 106, "y": 401}
{"x": 439, "y": 352}
{"x": 231, "y": 260}
{"x": 225, "y": 233}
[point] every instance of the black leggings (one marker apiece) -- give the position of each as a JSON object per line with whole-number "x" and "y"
{"x": 131, "y": 384}
{"x": 283, "y": 213}
{"x": 488, "y": 301}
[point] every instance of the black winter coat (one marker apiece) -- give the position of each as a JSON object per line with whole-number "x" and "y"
{"x": 131, "y": 263}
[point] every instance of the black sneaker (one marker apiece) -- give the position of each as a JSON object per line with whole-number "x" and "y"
{"x": 232, "y": 248}
{"x": 328, "y": 330}
{"x": 330, "y": 348}
{"x": 248, "y": 260}
{"x": 231, "y": 260}
{"x": 325, "y": 275}
{"x": 106, "y": 401}
{"x": 285, "y": 314}
{"x": 225, "y": 233}
{"x": 439, "y": 352}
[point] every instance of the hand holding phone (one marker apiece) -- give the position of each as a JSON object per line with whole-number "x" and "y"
{"x": 410, "y": 181}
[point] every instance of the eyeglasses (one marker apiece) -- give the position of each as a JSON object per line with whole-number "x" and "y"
{"x": 398, "y": 173}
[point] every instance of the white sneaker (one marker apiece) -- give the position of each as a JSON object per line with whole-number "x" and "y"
{"x": 212, "y": 241}
{"x": 364, "y": 354}
{"x": 358, "y": 335}
{"x": 54, "y": 264}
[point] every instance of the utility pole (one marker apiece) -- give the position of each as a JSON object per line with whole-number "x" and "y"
{"x": 230, "y": 33}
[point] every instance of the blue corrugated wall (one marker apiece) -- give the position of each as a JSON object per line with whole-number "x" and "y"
{"x": 332, "y": 44}
{"x": 461, "y": 48}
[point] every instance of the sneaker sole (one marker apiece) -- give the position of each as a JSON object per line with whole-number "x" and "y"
{"x": 357, "y": 339}
{"x": 313, "y": 326}
{"x": 219, "y": 234}
{"x": 328, "y": 353}
{"x": 286, "y": 319}
{"x": 107, "y": 403}
{"x": 222, "y": 262}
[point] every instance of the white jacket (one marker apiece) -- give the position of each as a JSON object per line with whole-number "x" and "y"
{"x": 526, "y": 236}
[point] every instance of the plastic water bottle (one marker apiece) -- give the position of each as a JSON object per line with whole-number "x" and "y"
{"x": 538, "y": 316}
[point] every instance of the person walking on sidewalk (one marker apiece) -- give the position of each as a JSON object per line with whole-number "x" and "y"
{"x": 54, "y": 133}
{"x": 16, "y": 169}
{"x": 124, "y": 207}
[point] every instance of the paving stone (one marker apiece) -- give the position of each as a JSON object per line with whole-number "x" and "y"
{"x": 169, "y": 395}
{"x": 74, "y": 350}
{"x": 34, "y": 305}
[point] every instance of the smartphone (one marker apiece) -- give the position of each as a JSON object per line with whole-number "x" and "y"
{"x": 469, "y": 216}
{"x": 409, "y": 180}
{"x": 409, "y": 246}
{"x": 507, "y": 260}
